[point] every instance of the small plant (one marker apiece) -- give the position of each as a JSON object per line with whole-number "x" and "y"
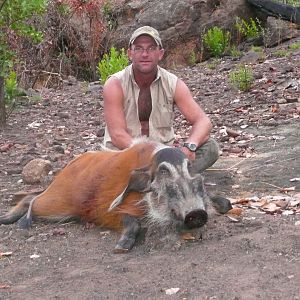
{"x": 112, "y": 63}
{"x": 260, "y": 52}
{"x": 216, "y": 40}
{"x": 12, "y": 93}
{"x": 234, "y": 52}
{"x": 109, "y": 16}
{"x": 213, "y": 64}
{"x": 242, "y": 78}
{"x": 250, "y": 29}
{"x": 10, "y": 88}
{"x": 281, "y": 53}
{"x": 294, "y": 46}
{"x": 192, "y": 58}
{"x": 257, "y": 49}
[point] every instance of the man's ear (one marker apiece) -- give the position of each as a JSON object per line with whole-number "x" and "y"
{"x": 161, "y": 54}
{"x": 129, "y": 53}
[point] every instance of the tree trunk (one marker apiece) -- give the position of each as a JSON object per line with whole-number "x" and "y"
{"x": 280, "y": 10}
{"x": 2, "y": 104}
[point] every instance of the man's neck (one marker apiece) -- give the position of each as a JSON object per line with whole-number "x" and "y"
{"x": 144, "y": 80}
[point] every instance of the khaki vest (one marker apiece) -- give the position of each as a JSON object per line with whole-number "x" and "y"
{"x": 161, "y": 118}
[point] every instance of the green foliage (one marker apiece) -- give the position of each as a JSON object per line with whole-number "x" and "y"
{"x": 289, "y": 2}
{"x": 192, "y": 58}
{"x": 63, "y": 9}
{"x": 14, "y": 15}
{"x": 216, "y": 40}
{"x": 112, "y": 63}
{"x": 10, "y": 88}
{"x": 12, "y": 92}
{"x": 234, "y": 52}
{"x": 250, "y": 29}
{"x": 257, "y": 49}
{"x": 108, "y": 15}
{"x": 242, "y": 78}
{"x": 281, "y": 53}
{"x": 294, "y": 46}
{"x": 213, "y": 64}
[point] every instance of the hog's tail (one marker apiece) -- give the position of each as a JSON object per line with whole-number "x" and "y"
{"x": 22, "y": 212}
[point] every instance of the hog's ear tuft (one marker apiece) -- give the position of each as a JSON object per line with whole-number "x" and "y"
{"x": 139, "y": 181}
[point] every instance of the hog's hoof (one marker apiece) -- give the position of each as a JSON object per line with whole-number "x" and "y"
{"x": 221, "y": 204}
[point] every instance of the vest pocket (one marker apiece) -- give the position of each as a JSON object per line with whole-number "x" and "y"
{"x": 164, "y": 119}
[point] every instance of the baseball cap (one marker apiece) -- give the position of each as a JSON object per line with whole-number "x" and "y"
{"x": 148, "y": 30}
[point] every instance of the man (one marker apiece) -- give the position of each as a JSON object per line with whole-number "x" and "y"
{"x": 139, "y": 100}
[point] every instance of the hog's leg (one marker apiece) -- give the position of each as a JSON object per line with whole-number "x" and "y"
{"x": 129, "y": 234}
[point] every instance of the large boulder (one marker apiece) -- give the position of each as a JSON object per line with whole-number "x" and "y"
{"x": 181, "y": 23}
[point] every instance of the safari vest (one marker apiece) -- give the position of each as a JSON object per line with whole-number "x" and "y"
{"x": 161, "y": 118}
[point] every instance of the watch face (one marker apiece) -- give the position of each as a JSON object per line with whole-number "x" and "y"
{"x": 192, "y": 147}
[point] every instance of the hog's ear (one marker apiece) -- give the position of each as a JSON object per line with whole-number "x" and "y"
{"x": 139, "y": 181}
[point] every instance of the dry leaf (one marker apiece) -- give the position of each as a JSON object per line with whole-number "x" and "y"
{"x": 282, "y": 204}
{"x": 172, "y": 291}
{"x": 288, "y": 189}
{"x": 187, "y": 236}
{"x": 295, "y": 179}
{"x": 270, "y": 207}
{"x": 232, "y": 132}
{"x": 294, "y": 203}
{"x": 5, "y": 253}
{"x": 232, "y": 218}
{"x": 287, "y": 213}
{"x": 237, "y": 211}
{"x": 4, "y": 286}
{"x": 257, "y": 204}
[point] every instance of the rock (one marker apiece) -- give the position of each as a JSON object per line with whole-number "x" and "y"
{"x": 278, "y": 31}
{"x": 36, "y": 171}
{"x": 180, "y": 23}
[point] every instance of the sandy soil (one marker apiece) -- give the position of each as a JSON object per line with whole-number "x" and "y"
{"x": 255, "y": 256}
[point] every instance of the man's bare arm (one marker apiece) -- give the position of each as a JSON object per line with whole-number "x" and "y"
{"x": 201, "y": 124}
{"x": 114, "y": 114}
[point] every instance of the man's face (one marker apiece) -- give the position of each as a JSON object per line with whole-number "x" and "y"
{"x": 145, "y": 54}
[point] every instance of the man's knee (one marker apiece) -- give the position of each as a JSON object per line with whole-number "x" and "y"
{"x": 213, "y": 149}
{"x": 206, "y": 155}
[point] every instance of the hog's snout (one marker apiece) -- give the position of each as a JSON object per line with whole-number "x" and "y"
{"x": 195, "y": 219}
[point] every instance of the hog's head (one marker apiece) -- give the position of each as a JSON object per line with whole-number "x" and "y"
{"x": 173, "y": 193}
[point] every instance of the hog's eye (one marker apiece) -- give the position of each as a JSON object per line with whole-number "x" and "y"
{"x": 164, "y": 171}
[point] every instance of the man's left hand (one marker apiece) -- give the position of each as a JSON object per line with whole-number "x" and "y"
{"x": 190, "y": 155}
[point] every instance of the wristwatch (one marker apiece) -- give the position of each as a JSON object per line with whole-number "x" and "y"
{"x": 191, "y": 146}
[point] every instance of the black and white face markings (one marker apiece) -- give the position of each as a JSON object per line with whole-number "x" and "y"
{"x": 175, "y": 192}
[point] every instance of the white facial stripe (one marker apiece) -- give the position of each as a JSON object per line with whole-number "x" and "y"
{"x": 185, "y": 169}
{"x": 171, "y": 168}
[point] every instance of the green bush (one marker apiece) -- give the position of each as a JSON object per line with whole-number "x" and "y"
{"x": 281, "y": 53}
{"x": 216, "y": 40}
{"x": 234, "y": 52}
{"x": 112, "y": 63}
{"x": 192, "y": 58}
{"x": 11, "y": 90}
{"x": 251, "y": 29}
{"x": 242, "y": 78}
{"x": 294, "y": 46}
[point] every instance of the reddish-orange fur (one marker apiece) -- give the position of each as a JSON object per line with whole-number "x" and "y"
{"x": 88, "y": 184}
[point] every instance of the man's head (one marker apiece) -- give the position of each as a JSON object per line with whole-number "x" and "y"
{"x": 146, "y": 30}
{"x": 145, "y": 50}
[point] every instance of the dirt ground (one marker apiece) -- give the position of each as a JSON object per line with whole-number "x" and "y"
{"x": 255, "y": 256}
